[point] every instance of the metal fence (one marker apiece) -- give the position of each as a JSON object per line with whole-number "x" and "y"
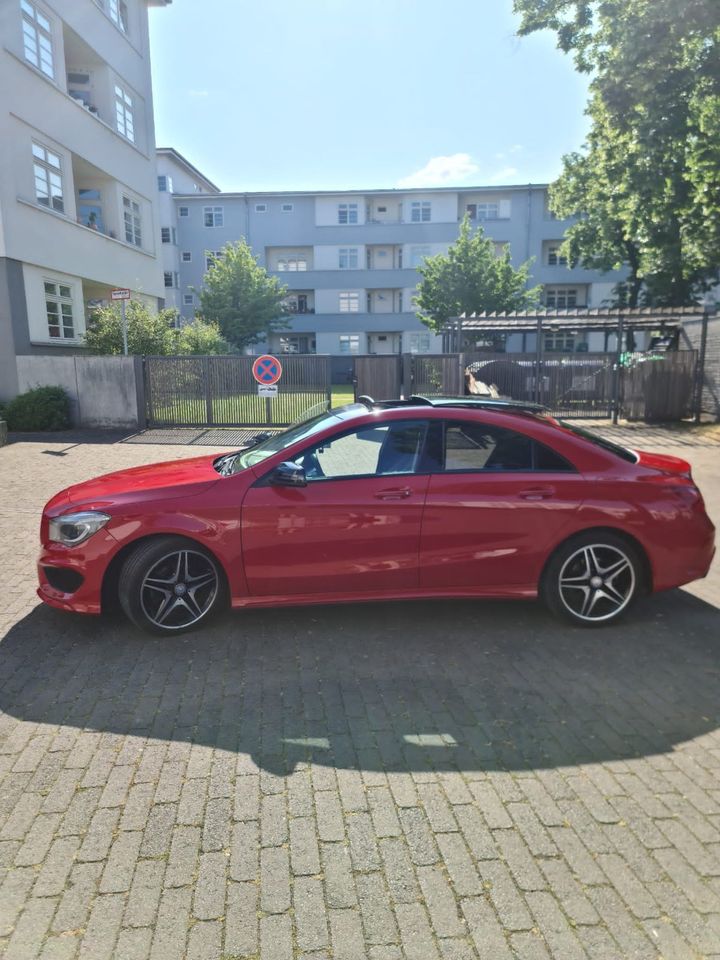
{"x": 221, "y": 391}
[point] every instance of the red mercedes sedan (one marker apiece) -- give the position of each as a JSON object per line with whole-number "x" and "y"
{"x": 418, "y": 498}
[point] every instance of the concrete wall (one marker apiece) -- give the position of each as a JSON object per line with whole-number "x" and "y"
{"x": 103, "y": 391}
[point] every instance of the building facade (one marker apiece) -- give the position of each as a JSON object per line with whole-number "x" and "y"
{"x": 350, "y": 259}
{"x": 78, "y": 191}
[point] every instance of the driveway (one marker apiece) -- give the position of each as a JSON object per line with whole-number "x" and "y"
{"x": 428, "y": 781}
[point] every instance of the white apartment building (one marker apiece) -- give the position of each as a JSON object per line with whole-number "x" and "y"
{"x": 78, "y": 187}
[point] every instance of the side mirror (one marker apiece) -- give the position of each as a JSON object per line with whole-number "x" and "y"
{"x": 287, "y": 475}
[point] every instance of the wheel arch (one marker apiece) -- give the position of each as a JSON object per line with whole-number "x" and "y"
{"x": 637, "y": 545}
{"x": 109, "y": 590}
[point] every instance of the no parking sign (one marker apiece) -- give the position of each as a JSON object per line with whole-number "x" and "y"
{"x": 267, "y": 370}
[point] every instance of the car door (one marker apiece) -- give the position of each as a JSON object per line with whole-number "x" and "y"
{"x": 353, "y": 529}
{"x": 496, "y": 502}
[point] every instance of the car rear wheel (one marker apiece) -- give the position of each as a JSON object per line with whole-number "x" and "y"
{"x": 169, "y": 585}
{"x": 593, "y": 579}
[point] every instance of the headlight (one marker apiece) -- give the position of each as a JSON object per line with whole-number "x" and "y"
{"x": 74, "y": 528}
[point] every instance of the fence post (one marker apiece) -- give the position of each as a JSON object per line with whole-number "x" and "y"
{"x": 617, "y": 371}
{"x": 208, "y": 391}
{"x": 407, "y": 375}
{"x": 700, "y": 368}
{"x": 538, "y": 362}
{"x": 140, "y": 399}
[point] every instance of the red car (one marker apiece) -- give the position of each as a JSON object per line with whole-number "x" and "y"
{"x": 440, "y": 497}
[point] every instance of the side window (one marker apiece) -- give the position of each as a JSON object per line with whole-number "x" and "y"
{"x": 549, "y": 460}
{"x": 477, "y": 446}
{"x": 384, "y": 450}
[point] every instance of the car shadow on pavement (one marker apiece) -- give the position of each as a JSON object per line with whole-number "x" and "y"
{"x": 396, "y": 687}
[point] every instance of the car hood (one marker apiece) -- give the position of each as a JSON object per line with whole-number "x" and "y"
{"x": 176, "y": 478}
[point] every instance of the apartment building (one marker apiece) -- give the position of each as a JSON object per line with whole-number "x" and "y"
{"x": 78, "y": 191}
{"x": 350, "y": 259}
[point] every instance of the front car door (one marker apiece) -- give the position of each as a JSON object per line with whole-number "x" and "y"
{"x": 353, "y": 529}
{"x": 496, "y": 502}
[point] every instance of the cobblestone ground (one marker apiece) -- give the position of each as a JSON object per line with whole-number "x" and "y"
{"x": 428, "y": 781}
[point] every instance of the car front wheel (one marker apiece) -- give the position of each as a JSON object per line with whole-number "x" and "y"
{"x": 169, "y": 585}
{"x": 592, "y": 580}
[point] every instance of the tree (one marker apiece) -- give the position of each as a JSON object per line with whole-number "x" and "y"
{"x": 471, "y": 278}
{"x": 240, "y": 296}
{"x": 149, "y": 332}
{"x": 647, "y": 182}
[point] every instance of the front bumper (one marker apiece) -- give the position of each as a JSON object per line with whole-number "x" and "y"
{"x": 86, "y": 562}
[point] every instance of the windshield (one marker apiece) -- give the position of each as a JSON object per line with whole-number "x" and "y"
{"x": 281, "y": 441}
{"x": 599, "y": 441}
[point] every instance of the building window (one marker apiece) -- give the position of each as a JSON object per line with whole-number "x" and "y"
{"x": 562, "y": 341}
{"x": 349, "y": 343}
{"x": 133, "y": 223}
{"x": 48, "y": 178}
{"x": 165, "y": 184}
{"x": 418, "y": 254}
{"x": 291, "y": 264}
{"x": 419, "y": 343}
{"x": 347, "y": 213}
{"x": 168, "y": 235}
{"x": 119, "y": 14}
{"x": 561, "y": 297}
{"x": 348, "y": 258}
{"x": 186, "y": 256}
{"x": 59, "y": 311}
{"x": 170, "y": 278}
{"x": 260, "y": 208}
{"x": 420, "y": 211}
{"x": 349, "y": 302}
{"x": 188, "y": 299}
{"x": 37, "y": 39}
{"x": 183, "y": 212}
{"x": 124, "y": 114}
{"x": 213, "y": 216}
{"x": 287, "y": 208}
{"x": 554, "y": 257}
{"x": 211, "y": 256}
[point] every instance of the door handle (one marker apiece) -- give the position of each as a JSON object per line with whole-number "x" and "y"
{"x": 537, "y": 493}
{"x": 395, "y": 493}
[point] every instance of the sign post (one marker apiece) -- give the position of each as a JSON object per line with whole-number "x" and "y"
{"x": 267, "y": 370}
{"x": 122, "y": 294}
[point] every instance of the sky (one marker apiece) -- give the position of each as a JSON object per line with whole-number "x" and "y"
{"x": 336, "y": 94}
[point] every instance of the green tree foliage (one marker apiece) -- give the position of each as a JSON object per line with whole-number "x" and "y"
{"x": 471, "y": 278}
{"x": 241, "y": 297}
{"x": 150, "y": 333}
{"x": 647, "y": 180}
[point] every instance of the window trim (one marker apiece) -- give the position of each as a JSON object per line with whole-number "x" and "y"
{"x": 287, "y": 207}
{"x": 59, "y": 300}
{"x": 49, "y": 170}
{"x": 349, "y": 252}
{"x": 421, "y": 207}
{"x": 261, "y": 208}
{"x": 183, "y": 211}
{"x": 186, "y": 256}
{"x": 29, "y": 14}
{"x": 128, "y": 208}
{"x": 351, "y": 211}
{"x": 217, "y": 213}
{"x": 124, "y": 112}
{"x": 349, "y": 297}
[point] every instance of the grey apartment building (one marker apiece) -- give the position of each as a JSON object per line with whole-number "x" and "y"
{"x": 349, "y": 259}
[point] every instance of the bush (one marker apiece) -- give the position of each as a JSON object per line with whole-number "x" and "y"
{"x": 44, "y": 408}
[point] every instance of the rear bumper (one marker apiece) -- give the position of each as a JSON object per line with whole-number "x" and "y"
{"x": 688, "y": 558}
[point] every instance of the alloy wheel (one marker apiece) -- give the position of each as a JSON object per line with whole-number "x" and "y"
{"x": 179, "y": 589}
{"x": 597, "y": 582}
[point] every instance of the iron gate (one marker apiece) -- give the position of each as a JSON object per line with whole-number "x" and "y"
{"x": 221, "y": 391}
{"x": 378, "y": 377}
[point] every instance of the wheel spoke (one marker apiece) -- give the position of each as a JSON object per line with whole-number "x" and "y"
{"x": 604, "y": 587}
{"x": 196, "y": 583}
{"x": 165, "y": 608}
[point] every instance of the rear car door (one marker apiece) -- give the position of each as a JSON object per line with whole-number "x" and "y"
{"x": 355, "y": 527}
{"x": 496, "y": 504}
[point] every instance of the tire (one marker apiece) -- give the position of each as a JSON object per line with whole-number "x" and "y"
{"x": 170, "y": 585}
{"x": 593, "y": 579}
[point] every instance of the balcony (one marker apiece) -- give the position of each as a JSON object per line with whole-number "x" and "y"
{"x": 95, "y": 198}
{"x": 385, "y": 301}
{"x": 384, "y": 256}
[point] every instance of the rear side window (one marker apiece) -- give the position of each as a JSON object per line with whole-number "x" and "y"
{"x": 481, "y": 447}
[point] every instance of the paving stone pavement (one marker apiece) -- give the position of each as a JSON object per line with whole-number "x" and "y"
{"x": 425, "y": 781}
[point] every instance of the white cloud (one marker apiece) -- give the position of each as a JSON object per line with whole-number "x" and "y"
{"x": 198, "y": 94}
{"x": 442, "y": 171}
